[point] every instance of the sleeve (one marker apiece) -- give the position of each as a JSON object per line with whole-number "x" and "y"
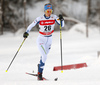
{"x": 58, "y": 21}
{"x": 35, "y": 22}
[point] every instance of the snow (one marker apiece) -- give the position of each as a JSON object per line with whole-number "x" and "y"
{"x": 76, "y": 49}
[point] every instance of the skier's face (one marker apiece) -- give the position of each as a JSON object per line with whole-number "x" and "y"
{"x": 48, "y": 12}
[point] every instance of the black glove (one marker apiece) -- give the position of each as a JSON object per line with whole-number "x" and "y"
{"x": 25, "y": 35}
{"x": 61, "y": 17}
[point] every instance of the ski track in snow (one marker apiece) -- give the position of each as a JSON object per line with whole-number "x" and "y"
{"x": 76, "y": 49}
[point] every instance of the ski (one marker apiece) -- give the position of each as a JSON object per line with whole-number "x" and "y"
{"x": 35, "y": 75}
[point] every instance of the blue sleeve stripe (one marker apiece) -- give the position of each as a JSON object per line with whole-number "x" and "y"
{"x": 57, "y": 22}
{"x": 61, "y": 23}
{"x": 38, "y": 22}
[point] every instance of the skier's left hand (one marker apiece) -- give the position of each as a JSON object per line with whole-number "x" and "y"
{"x": 61, "y": 17}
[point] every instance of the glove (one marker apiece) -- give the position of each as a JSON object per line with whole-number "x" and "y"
{"x": 25, "y": 35}
{"x": 61, "y": 17}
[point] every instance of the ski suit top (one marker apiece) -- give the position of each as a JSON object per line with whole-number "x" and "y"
{"x": 46, "y": 24}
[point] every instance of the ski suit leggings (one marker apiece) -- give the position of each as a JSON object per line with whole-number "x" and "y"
{"x": 44, "y": 45}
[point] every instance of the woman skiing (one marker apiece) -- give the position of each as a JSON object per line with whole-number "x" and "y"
{"x": 46, "y": 24}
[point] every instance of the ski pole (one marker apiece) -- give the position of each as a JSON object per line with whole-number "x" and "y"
{"x": 61, "y": 48}
{"x": 15, "y": 55}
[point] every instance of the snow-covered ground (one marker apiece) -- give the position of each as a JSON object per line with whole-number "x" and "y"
{"x": 76, "y": 49}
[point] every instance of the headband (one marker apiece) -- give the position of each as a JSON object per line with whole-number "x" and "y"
{"x": 48, "y": 6}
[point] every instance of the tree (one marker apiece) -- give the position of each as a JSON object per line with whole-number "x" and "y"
{"x": 1, "y": 13}
{"x": 13, "y": 11}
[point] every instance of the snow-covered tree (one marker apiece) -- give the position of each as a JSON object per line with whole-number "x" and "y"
{"x": 78, "y": 9}
{"x": 13, "y": 11}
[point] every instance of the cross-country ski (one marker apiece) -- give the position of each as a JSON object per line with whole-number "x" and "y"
{"x": 44, "y": 79}
{"x": 36, "y": 75}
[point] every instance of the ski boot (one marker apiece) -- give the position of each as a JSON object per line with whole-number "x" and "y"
{"x": 40, "y": 76}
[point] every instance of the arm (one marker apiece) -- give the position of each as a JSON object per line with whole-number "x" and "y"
{"x": 58, "y": 19}
{"x": 35, "y": 22}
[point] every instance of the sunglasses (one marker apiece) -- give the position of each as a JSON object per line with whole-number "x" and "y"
{"x": 49, "y": 11}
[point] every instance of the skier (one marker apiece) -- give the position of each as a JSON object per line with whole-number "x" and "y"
{"x": 46, "y": 24}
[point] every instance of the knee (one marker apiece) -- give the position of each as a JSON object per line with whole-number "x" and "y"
{"x": 44, "y": 58}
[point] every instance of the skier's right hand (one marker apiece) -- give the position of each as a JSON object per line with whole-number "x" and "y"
{"x": 25, "y": 35}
